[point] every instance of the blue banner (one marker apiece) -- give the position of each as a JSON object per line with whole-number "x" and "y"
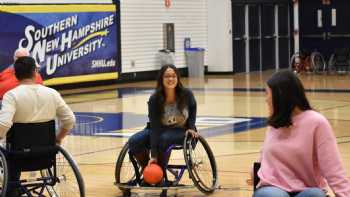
{"x": 72, "y": 43}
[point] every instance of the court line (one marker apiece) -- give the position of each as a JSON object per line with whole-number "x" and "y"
{"x": 223, "y": 141}
{"x": 335, "y": 107}
{"x": 128, "y": 91}
{"x": 220, "y": 155}
{"x": 142, "y": 90}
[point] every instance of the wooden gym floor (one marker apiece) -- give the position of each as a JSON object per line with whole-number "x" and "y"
{"x": 107, "y": 117}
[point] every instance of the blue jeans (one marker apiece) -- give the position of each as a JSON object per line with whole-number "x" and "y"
{"x": 271, "y": 191}
{"x": 140, "y": 144}
{"x": 140, "y": 141}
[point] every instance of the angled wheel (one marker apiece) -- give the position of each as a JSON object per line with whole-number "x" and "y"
{"x": 318, "y": 63}
{"x": 125, "y": 170}
{"x": 201, "y": 164}
{"x": 69, "y": 181}
{"x": 331, "y": 65}
{"x": 3, "y": 174}
{"x": 294, "y": 63}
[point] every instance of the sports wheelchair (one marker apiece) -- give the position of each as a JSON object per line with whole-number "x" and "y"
{"x": 199, "y": 162}
{"x": 339, "y": 62}
{"x": 31, "y": 147}
{"x": 307, "y": 62}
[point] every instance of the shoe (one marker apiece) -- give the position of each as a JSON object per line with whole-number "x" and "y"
{"x": 132, "y": 183}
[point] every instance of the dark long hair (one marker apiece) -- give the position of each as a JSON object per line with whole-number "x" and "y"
{"x": 287, "y": 93}
{"x": 179, "y": 90}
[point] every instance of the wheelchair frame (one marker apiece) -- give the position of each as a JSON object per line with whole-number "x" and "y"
{"x": 177, "y": 170}
{"x": 28, "y": 153}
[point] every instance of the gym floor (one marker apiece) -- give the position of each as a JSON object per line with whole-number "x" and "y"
{"x": 106, "y": 117}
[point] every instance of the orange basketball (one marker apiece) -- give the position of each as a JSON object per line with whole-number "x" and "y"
{"x": 152, "y": 174}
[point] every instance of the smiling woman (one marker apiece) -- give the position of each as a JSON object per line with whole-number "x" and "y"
{"x": 172, "y": 112}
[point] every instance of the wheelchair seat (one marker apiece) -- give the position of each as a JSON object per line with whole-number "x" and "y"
{"x": 32, "y": 147}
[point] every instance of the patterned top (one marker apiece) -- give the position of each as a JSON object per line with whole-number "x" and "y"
{"x": 172, "y": 117}
{"x": 155, "y": 119}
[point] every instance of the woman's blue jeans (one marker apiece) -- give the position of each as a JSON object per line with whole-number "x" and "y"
{"x": 139, "y": 144}
{"x": 141, "y": 141}
{"x": 271, "y": 191}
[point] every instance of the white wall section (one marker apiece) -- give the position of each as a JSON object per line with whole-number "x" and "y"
{"x": 219, "y": 36}
{"x": 54, "y": 1}
{"x": 142, "y": 30}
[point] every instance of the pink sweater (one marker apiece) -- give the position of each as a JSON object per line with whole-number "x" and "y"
{"x": 303, "y": 156}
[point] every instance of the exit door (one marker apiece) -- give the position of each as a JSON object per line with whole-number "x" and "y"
{"x": 261, "y": 35}
{"x": 324, "y": 27}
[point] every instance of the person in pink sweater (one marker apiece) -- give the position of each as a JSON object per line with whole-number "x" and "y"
{"x": 299, "y": 156}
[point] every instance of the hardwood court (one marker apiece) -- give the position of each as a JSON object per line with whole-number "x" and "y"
{"x": 95, "y": 147}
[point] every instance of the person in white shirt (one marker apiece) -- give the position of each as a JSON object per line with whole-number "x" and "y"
{"x": 33, "y": 103}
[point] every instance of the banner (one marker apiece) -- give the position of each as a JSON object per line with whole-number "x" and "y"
{"x": 71, "y": 43}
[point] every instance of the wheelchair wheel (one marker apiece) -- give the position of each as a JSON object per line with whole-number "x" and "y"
{"x": 69, "y": 180}
{"x": 3, "y": 175}
{"x": 201, "y": 164}
{"x": 331, "y": 65}
{"x": 292, "y": 62}
{"x": 318, "y": 63}
{"x": 124, "y": 170}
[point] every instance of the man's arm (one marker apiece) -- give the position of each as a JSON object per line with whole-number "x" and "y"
{"x": 7, "y": 112}
{"x": 65, "y": 117}
{"x": 62, "y": 133}
{"x": 3, "y": 131}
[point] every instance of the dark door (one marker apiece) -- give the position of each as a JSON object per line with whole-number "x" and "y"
{"x": 338, "y": 28}
{"x": 284, "y": 51}
{"x": 262, "y": 36}
{"x": 268, "y": 36}
{"x": 254, "y": 37}
{"x": 238, "y": 31}
{"x": 312, "y": 25}
{"x": 324, "y": 27}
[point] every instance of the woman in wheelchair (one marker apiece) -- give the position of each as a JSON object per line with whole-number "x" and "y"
{"x": 299, "y": 156}
{"x": 172, "y": 113}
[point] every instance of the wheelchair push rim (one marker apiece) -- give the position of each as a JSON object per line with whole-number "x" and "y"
{"x": 124, "y": 170}
{"x": 201, "y": 164}
{"x": 3, "y": 174}
{"x": 69, "y": 181}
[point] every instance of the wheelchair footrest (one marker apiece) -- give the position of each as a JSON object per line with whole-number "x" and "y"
{"x": 179, "y": 186}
